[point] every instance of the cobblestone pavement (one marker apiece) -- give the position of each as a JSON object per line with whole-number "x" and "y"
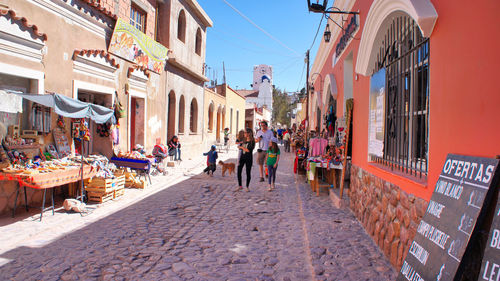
{"x": 201, "y": 229}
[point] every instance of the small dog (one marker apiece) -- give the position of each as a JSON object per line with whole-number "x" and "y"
{"x": 227, "y": 166}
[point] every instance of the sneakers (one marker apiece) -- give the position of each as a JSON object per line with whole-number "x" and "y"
{"x": 246, "y": 189}
{"x": 261, "y": 179}
{"x": 270, "y": 188}
{"x": 238, "y": 188}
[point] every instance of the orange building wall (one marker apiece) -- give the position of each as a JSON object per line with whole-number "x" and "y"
{"x": 464, "y": 92}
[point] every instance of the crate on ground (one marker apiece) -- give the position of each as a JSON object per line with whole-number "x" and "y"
{"x": 100, "y": 197}
{"x": 119, "y": 192}
{"x": 141, "y": 184}
{"x": 100, "y": 185}
{"x": 119, "y": 181}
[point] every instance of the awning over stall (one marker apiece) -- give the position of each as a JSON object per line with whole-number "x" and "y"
{"x": 69, "y": 107}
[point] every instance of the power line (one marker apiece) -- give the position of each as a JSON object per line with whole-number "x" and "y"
{"x": 301, "y": 76}
{"x": 216, "y": 31}
{"x": 317, "y": 31}
{"x": 261, "y": 29}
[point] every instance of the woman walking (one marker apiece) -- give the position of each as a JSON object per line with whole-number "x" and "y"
{"x": 246, "y": 158}
{"x": 273, "y": 157}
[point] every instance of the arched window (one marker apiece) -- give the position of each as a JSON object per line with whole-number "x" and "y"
{"x": 211, "y": 117}
{"x": 198, "y": 42}
{"x": 181, "y": 114}
{"x": 181, "y": 26}
{"x": 193, "y": 121}
{"x": 404, "y": 62}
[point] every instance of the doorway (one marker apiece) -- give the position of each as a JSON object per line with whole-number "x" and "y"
{"x": 137, "y": 117}
{"x": 218, "y": 129}
{"x": 171, "y": 115}
{"x": 100, "y": 141}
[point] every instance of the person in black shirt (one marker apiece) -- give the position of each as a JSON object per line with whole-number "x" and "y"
{"x": 246, "y": 157}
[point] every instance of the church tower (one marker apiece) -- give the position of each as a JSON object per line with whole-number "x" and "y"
{"x": 263, "y": 82}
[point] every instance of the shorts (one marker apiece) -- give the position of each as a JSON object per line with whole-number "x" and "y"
{"x": 261, "y": 157}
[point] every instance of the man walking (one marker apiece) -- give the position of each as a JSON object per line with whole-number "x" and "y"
{"x": 263, "y": 137}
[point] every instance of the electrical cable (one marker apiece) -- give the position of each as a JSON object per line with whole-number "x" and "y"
{"x": 301, "y": 76}
{"x": 260, "y": 28}
{"x": 317, "y": 31}
{"x": 249, "y": 41}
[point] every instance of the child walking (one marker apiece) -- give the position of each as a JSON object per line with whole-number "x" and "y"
{"x": 273, "y": 157}
{"x": 212, "y": 159}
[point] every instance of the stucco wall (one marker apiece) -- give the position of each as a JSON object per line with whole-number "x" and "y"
{"x": 185, "y": 51}
{"x": 237, "y": 103}
{"x": 219, "y": 103}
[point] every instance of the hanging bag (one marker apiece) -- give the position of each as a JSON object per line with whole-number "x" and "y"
{"x": 119, "y": 110}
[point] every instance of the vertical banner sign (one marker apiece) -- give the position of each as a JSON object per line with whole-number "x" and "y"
{"x": 444, "y": 231}
{"x": 131, "y": 44}
{"x": 490, "y": 269}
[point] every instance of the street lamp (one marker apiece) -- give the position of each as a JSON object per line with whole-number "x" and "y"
{"x": 327, "y": 33}
{"x": 321, "y": 8}
{"x": 316, "y": 7}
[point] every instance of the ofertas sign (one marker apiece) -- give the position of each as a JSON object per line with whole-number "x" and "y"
{"x": 446, "y": 228}
{"x": 131, "y": 44}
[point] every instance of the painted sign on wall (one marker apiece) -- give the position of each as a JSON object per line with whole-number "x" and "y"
{"x": 131, "y": 44}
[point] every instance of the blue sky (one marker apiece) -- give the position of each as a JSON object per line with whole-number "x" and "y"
{"x": 241, "y": 45}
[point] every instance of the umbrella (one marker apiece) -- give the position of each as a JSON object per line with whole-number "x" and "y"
{"x": 72, "y": 108}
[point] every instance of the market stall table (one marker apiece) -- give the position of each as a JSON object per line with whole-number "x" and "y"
{"x": 141, "y": 165}
{"x": 320, "y": 163}
{"x": 46, "y": 181}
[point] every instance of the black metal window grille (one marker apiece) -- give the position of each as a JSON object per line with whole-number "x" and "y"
{"x": 404, "y": 53}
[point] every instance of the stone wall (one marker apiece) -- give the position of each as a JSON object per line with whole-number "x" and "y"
{"x": 389, "y": 214}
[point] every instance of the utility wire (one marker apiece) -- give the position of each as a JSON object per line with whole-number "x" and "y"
{"x": 260, "y": 28}
{"x": 317, "y": 31}
{"x": 301, "y": 76}
{"x": 216, "y": 31}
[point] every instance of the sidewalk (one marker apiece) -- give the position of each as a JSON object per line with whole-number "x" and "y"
{"x": 27, "y": 230}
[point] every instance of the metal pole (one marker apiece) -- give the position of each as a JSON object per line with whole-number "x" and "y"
{"x": 307, "y": 101}
{"x": 81, "y": 171}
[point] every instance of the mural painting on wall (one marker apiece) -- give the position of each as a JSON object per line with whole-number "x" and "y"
{"x": 131, "y": 44}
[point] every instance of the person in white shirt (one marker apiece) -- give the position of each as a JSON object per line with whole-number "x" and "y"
{"x": 264, "y": 136}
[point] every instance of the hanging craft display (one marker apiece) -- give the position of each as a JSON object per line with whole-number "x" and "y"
{"x": 61, "y": 124}
{"x": 103, "y": 130}
{"x": 81, "y": 130}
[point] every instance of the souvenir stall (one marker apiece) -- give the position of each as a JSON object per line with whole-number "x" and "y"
{"x": 298, "y": 143}
{"x": 25, "y": 161}
{"x": 328, "y": 156}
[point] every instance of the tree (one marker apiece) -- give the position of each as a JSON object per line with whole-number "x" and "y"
{"x": 282, "y": 108}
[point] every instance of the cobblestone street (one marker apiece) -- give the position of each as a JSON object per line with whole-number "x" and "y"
{"x": 201, "y": 229}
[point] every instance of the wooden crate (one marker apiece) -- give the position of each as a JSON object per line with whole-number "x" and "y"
{"x": 100, "y": 182}
{"x": 119, "y": 192}
{"x": 100, "y": 197}
{"x": 141, "y": 184}
{"x": 119, "y": 181}
{"x": 100, "y": 185}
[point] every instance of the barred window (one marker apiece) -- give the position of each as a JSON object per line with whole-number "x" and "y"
{"x": 404, "y": 54}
